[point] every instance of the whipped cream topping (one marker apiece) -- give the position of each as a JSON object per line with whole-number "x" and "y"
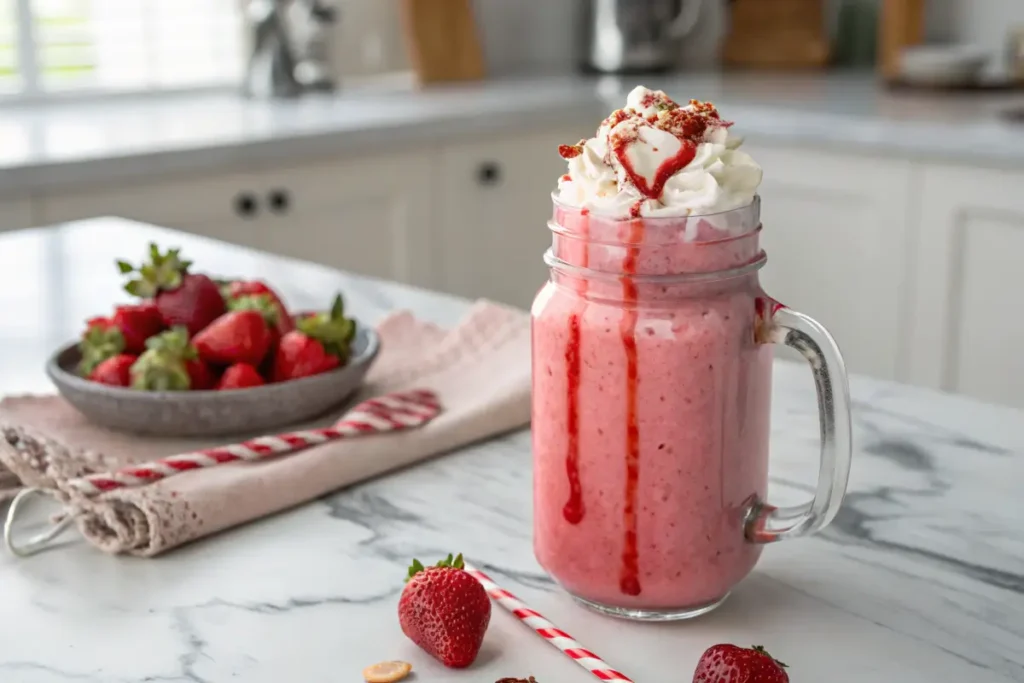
{"x": 657, "y": 158}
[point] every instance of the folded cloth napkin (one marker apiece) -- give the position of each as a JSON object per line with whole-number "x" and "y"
{"x": 480, "y": 370}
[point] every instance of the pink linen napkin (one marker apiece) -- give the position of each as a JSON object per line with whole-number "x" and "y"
{"x": 480, "y": 370}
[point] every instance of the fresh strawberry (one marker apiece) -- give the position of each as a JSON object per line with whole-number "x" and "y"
{"x": 301, "y": 356}
{"x": 445, "y": 611}
{"x": 736, "y": 664}
{"x": 320, "y": 343}
{"x": 235, "y": 337}
{"x": 255, "y": 288}
{"x": 200, "y": 376}
{"x": 115, "y": 371}
{"x": 164, "y": 366}
{"x": 137, "y": 324}
{"x": 101, "y": 340}
{"x": 240, "y": 376}
{"x": 183, "y": 298}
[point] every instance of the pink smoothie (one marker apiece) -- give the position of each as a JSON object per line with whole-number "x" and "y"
{"x": 650, "y": 409}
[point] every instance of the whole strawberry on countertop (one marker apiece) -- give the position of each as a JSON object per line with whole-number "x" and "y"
{"x": 726, "y": 663}
{"x": 320, "y": 342}
{"x": 445, "y": 611}
{"x": 183, "y": 298}
{"x": 171, "y": 363}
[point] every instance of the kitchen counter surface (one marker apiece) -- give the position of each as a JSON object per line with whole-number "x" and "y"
{"x": 68, "y": 144}
{"x": 921, "y": 577}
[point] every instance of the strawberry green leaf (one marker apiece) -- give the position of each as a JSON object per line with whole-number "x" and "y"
{"x": 262, "y": 303}
{"x": 159, "y": 370}
{"x": 174, "y": 343}
{"x": 415, "y": 569}
{"x": 332, "y": 329}
{"x": 163, "y": 272}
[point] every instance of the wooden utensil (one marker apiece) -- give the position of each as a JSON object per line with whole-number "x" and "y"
{"x": 777, "y": 34}
{"x": 442, "y": 40}
{"x": 901, "y": 25}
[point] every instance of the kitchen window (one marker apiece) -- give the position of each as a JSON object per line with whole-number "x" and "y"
{"x": 65, "y": 47}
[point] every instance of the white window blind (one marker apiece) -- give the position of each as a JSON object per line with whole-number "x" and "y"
{"x": 54, "y": 46}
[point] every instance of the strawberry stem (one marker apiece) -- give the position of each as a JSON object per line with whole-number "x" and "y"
{"x": 453, "y": 562}
{"x": 261, "y": 303}
{"x": 760, "y": 649}
{"x": 332, "y": 329}
{"x": 163, "y": 272}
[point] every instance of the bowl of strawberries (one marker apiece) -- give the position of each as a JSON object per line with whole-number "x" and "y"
{"x": 203, "y": 357}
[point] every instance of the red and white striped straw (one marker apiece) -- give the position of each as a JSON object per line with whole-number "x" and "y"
{"x": 546, "y": 630}
{"x": 388, "y": 413}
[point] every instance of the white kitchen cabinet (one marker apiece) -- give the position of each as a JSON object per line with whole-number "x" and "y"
{"x": 835, "y": 234}
{"x": 15, "y": 214}
{"x": 210, "y": 205}
{"x": 369, "y": 215}
{"x": 967, "y": 331}
{"x": 495, "y": 201}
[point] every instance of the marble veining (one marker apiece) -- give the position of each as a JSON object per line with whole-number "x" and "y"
{"x": 920, "y": 579}
{"x": 75, "y": 144}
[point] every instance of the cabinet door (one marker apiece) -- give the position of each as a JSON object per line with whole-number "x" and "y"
{"x": 835, "y": 231}
{"x": 370, "y": 216}
{"x": 968, "y": 327}
{"x": 494, "y": 206}
{"x": 217, "y": 205}
{"x": 15, "y": 214}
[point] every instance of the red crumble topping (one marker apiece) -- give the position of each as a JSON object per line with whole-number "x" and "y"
{"x": 571, "y": 151}
{"x": 659, "y": 100}
{"x": 692, "y": 123}
{"x": 566, "y": 177}
{"x": 617, "y": 117}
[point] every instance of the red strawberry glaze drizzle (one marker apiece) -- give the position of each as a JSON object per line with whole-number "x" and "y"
{"x": 667, "y": 169}
{"x": 629, "y": 578}
{"x": 573, "y": 510}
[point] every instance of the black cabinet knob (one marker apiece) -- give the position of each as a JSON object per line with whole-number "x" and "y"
{"x": 246, "y": 205}
{"x": 489, "y": 173}
{"x": 278, "y": 201}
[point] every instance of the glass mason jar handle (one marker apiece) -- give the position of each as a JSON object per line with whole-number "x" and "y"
{"x": 766, "y": 523}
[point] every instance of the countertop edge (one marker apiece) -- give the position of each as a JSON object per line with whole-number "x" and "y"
{"x": 429, "y": 119}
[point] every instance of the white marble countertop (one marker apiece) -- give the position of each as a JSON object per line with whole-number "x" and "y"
{"x": 920, "y": 579}
{"x": 67, "y": 144}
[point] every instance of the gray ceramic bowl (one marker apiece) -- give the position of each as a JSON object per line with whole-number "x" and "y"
{"x": 213, "y": 413}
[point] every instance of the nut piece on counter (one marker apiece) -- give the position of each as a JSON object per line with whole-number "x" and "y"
{"x": 531, "y": 679}
{"x": 386, "y": 672}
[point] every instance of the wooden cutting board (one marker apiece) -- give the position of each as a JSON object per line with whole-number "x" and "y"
{"x": 442, "y": 40}
{"x": 777, "y": 34}
{"x": 901, "y": 25}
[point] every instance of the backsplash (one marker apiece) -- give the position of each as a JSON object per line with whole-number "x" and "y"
{"x": 519, "y": 37}
{"x": 977, "y": 22}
